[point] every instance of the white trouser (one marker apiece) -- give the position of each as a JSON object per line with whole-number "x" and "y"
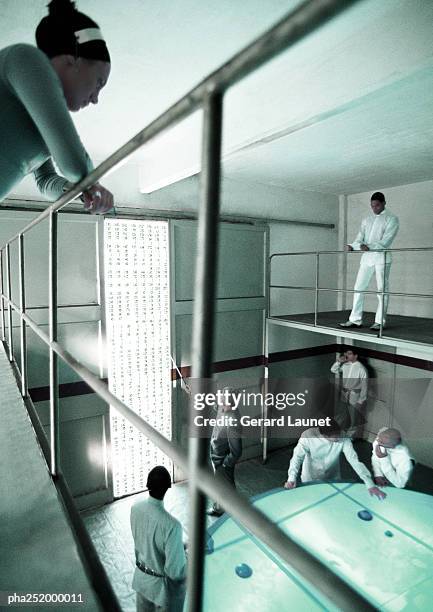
{"x": 351, "y": 397}
{"x": 363, "y": 278}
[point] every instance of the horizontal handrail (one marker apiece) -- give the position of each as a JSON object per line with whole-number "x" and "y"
{"x": 351, "y": 252}
{"x": 393, "y": 293}
{"x": 87, "y": 304}
{"x": 333, "y": 289}
{"x": 381, "y": 294}
{"x": 158, "y": 213}
{"x": 254, "y": 520}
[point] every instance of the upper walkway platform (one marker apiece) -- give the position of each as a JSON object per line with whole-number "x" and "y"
{"x": 38, "y": 551}
{"x": 402, "y": 332}
{"x": 410, "y": 333}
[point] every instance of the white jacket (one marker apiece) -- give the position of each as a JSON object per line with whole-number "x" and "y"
{"x": 397, "y": 466}
{"x": 355, "y": 380}
{"x": 320, "y": 458}
{"x": 377, "y": 232}
{"x": 158, "y": 545}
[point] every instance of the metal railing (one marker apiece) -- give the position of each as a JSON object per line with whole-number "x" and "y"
{"x": 306, "y": 18}
{"x": 317, "y": 289}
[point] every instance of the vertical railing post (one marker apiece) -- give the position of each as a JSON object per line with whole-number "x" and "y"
{"x": 269, "y": 283}
{"x": 264, "y": 430}
{"x": 316, "y": 293}
{"x": 203, "y": 329}
{"x": 9, "y": 297}
{"x": 23, "y": 337}
{"x": 2, "y": 308}
{"x": 52, "y": 322}
{"x": 382, "y": 314}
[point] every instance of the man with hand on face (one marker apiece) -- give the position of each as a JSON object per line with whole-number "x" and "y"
{"x": 354, "y": 383}
{"x": 318, "y": 452}
{"x": 377, "y": 233}
{"x": 391, "y": 459}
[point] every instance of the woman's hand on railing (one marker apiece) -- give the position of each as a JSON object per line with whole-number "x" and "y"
{"x": 97, "y": 199}
{"x": 349, "y": 247}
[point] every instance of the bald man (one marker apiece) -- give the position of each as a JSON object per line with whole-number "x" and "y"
{"x": 391, "y": 460}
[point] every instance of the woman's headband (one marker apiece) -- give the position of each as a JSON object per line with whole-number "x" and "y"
{"x": 88, "y": 35}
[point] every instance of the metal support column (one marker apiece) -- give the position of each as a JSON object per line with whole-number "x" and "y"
{"x": 203, "y": 329}
{"x": 23, "y": 336}
{"x": 267, "y": 314}
{"x": 2, "y": 309}
{"x": 265, "y": 387}
{"x": 316, "y": 294}
{"x": 52, "y": 320}
{"x": 9, "y": 297}
{"x": 382, "y": 314}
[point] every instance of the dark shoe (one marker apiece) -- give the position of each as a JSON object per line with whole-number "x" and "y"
{"x": 214, "y": 512}
{"x": 350, "y": 324}
{"x": 376, "y": 327}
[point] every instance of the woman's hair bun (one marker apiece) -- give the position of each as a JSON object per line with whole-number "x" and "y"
{"x": 56, "y": 33}
{"x": 61, "y": 8}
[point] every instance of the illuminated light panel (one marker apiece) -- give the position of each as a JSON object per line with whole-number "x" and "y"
{"x": 138, "y": 344}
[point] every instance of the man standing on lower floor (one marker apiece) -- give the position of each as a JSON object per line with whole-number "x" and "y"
{"x": 159, "y": 577}
{"x": 226, "y": 445}
{"x": 354, "y": 387}
{"x": 377, "y": 232}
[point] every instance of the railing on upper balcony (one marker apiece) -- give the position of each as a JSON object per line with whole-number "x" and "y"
{"x": 307, "y": 17}
{"x": 317, "y": 288}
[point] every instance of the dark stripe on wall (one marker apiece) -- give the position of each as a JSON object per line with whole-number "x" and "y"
{"x": 311, "y": 351}
{"x": 224, "y": 366}
{"x": 410, "y": 362}
{"x": 42, "y": 394}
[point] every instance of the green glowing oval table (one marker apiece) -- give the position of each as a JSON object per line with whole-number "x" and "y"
{"x": 388, "y": 559}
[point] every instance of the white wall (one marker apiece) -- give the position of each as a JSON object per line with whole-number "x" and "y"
{"x": 400, "y": 396}
{"x": 267, "y": 201}
{"x": 300, "y": 270}
{"x": 410, "y": 272}
{"x": 240, "y": 307}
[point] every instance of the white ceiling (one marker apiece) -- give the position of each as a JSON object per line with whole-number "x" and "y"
{"x": 346, "y": 110}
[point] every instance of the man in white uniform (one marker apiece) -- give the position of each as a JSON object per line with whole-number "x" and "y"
{"x": 318, "y": 452}
{"x": 225, "y": 445}
{"x": 391, "y": 459}
{"x": 377, "y": 233}
{"x": 159, "y": 577}
{"x": 354, "y": 383}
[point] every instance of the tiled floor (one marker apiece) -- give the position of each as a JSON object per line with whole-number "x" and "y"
{"x": 111, "y": 534}
{"x": 109, "y": 525}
